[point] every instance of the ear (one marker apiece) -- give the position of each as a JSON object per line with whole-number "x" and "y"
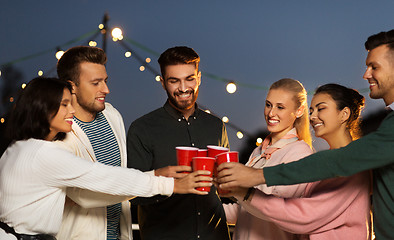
{"x": 73, "y": 86}
{"x": 162, "y": 82}
{"x": 199, "y": 78}
{"x": 300, "y": 111}
{"x": 345, "y": 114}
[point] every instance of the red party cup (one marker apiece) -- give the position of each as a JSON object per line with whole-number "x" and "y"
{"x": 202, "y": 153}
{"x": 204, "y": 163}
{"x": 215, "y": 150}
{"x": 185, "y": 155}
{"x": 226, "y": 157}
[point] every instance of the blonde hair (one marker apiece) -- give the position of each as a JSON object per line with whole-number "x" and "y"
{"x": 300, "y": 97}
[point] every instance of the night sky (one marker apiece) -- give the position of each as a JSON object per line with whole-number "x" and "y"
{"x": 253, "y": 43}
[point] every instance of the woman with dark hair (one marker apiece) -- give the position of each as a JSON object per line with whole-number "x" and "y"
{"x": 35, "y": 172}
{"x": 329, "y": 209}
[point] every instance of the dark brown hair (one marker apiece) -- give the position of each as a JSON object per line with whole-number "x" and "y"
{"x": 68, "y": 64}
{"x": 36, "y": 104}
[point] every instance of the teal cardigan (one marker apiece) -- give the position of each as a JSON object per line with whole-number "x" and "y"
{"x": 374, "y": 152}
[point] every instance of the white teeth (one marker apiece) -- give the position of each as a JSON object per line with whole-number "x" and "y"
{"x": 372, "y": 84}
{"x": 273, "y": 121}
{"x": 318, "y": 125}
{"x": 100, "y": 98}
{"x": 184, "y": 95}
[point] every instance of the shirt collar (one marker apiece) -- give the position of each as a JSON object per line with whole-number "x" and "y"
{"x": 177, "y": 114}
{"x": 390, "y": 106}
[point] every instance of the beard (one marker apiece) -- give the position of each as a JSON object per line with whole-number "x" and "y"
{"x": 183, "y": 104}
{"x": 88, "y": 106}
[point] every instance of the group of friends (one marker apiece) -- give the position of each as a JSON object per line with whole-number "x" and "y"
{"x": 71, "y": 172}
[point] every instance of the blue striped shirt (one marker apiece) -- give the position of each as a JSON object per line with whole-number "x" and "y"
{"x": 107, "y": 151}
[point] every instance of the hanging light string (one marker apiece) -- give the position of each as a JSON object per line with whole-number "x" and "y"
{"x": 51, "y": 50}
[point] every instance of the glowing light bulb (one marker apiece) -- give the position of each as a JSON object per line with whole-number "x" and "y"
{"x": 147, "y": 60}
{"x": 23, "y": 85}
{"x": 40, "y": 73}
{"x": 240, "y": 135}
{"x": 117, "y": 33}
{"x": 11, "y": 99}
{"x": 92, "y": 43}
{"x": 101, "y": 26}
{"x": 207, "y": 111}
{"x": 127, "y": 54}
{"x": 2, "y": 120}
{"x": 225, "y": 119}
{"x": 59, "y": 54}
{"x": 231, "y": 87}
{"x": 142, "y": 68}
{"x": 259, "y": 140}
{"x": 157, "y": 78}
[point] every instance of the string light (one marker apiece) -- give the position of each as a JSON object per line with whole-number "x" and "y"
{"x": 231, "y": 87}
{"x": 127, "y": 54}
{"x": 117, "y": 34}
{"x": 259, "y": 141}
{"x": 2, "y": 120}
{"x": 11, "y": 99}
{"x": 147, "y": 60}
{"x": 92, "y": 43}
{"x": 157, "y": 78}
{"x": 101, "y": 26}
{"x": 40, "y": 73}
{"x": 240, "y": 135}
{"x": 0, "y": 73}
{"x": 59, "y": 54}
{"x": 207, "y": 111}
{"x": 225, "y": 119}
{"x": 142, "y": 68}
{"x": 23, "y": 85}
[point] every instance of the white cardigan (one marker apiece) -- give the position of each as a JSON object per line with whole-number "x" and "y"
{"x": 34, "y": 176}
{"x": 90, "y": 220}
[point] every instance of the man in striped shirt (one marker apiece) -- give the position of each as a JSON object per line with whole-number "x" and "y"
{"x": 98, "y": 135}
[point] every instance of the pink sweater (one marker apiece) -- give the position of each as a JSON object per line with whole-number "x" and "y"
{"x": 332, "y": 209}
{"x": 249, "y": 227}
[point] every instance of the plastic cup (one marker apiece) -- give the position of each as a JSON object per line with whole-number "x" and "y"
{"x": 202, "y": 153}
{"x": 204, "y": 163}
{"x": 185, "y": 155}
{"x": 223, "y": 158}
{"x": 213, "y": 151}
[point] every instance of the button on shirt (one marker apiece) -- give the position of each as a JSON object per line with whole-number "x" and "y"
{"x": 151, "y": 143}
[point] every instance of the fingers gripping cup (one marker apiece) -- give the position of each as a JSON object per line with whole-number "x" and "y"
{"x": 204, "y": 163}
{"x": 185, "y": 155}
{"x": 223, "y": 158}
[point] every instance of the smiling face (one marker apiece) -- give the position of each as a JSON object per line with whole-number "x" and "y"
{"x": 90, "y": 93}
{"x": 325, "y": 117}
{"x": 280, "y": 112}
{"x": 380, "y": 73}
{"x": 62, "y": 121}
{"x": 181, "y": 83}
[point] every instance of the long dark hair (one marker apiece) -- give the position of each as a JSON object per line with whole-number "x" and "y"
{"x": 37, "y": 103}
{"x": 346, "y": 97}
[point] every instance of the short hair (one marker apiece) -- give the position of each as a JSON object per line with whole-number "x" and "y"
{"x": 300, "y": 98}
{"x": 178, "y": 55}
{"x": 346, "y": 97}
{"x": 35, "y": 106}
{"x": 68, "y": 66}
{"x": 379, "y": 39}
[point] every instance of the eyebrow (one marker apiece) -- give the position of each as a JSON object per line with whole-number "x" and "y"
{"x": 191, "y": 75}
{"x": 99, "y": 79}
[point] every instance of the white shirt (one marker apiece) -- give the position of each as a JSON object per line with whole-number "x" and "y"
{"x": 34, "y": 175}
